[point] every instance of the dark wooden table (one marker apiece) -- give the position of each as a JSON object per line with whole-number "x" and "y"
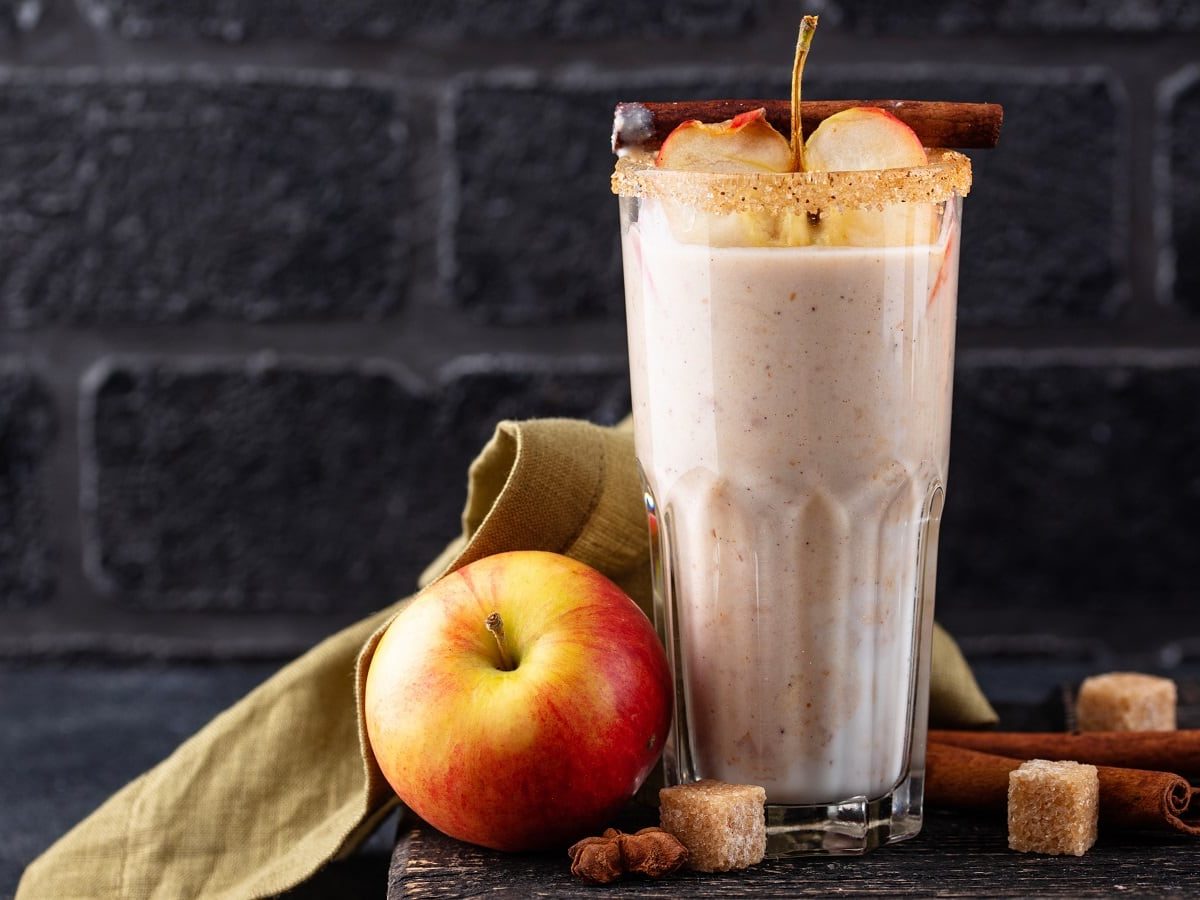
{"x": 956, "y": 855}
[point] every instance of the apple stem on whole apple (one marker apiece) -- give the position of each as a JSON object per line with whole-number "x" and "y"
{"x": 808, "y": 25}
{"x": 496, "y": 626}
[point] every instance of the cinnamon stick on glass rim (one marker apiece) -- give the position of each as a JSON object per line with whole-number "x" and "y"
{"x": 963, "y": 126}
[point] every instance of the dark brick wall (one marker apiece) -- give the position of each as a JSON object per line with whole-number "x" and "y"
{"x": 1022, "y": 16}
{"x": 1093, "y": 463}
{"x": 271, "y": 270}
{"x": 230, "y": 20}
{"x": 173, "y": 195}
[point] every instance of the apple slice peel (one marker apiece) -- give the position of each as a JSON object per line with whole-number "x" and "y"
{"x": 745, "y": 143}
{"x": 863, "y": 138}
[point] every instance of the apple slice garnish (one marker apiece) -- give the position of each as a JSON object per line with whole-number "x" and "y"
{"x": 862, "y": 138}
{"x": 745, "y": 143}
{"x": 867, "y": 138}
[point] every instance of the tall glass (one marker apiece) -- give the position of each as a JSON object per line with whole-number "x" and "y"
{"x": 791, "y": 344}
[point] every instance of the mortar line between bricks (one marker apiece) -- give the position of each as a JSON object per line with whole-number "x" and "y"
{"x": 679, "y": 59}
{"x": 73, "y": 42}
{"x": 1083, "y": 357}
{"x": 442, "y": 339}
{"x": 447, "y": 210}
{"x": 60, "y": 485}
{"x": 1166, "y": 253}
{"x": 424, "y": 349}
{"x": 1141, "y": 137}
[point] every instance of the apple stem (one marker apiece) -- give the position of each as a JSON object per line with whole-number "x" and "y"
{"x": 808, "y": 25}
{"x": 496, "y": 626}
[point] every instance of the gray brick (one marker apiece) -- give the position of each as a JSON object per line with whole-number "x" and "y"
{"x": 1021, "y": 16}
{"x": 27, "y": 427}
{"x": 478, "y": 392}
{"x": 536, "y": 235}
{"x": 272, "y": 486}
{"x": 174, "y": 196}
{"x": 1183, "y": 192}
{"x": 1074, "y": 489}
{"x": 234, "y": 21}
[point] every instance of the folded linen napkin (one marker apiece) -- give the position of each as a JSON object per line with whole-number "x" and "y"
{"x": 284, "y": 781}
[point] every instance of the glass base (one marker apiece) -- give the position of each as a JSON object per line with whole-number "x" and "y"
{"x": 847, "y": 828}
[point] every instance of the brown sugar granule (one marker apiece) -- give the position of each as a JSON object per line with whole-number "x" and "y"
{"x": 1053, "y": 807}
{"x": 722, "y": 825}
{"x": 1126, "y": 701}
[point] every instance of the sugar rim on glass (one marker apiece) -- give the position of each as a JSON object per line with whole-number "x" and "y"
{"x": 947, "y": 174}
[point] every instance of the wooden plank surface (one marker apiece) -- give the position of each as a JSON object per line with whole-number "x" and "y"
{"x": 954, "y": 856}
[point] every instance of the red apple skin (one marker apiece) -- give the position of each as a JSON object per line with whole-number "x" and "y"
{"x": 534, "y": 757}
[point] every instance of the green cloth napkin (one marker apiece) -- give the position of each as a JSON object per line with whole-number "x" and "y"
{"x": 284, "y": 781}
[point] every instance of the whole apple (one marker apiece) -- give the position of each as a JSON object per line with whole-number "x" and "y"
{"x": 519, "y": 702}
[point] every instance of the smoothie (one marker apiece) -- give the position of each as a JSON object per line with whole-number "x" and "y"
{"x": 792, "y": 408}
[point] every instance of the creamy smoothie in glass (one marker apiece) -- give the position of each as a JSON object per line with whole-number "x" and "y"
{"x": 791, "y": 342}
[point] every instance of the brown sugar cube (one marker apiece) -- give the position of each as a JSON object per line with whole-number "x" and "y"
{"x": 1126, "y": 701}
{"x": 722, "y": 825}
{"x": 1053, "y": 807}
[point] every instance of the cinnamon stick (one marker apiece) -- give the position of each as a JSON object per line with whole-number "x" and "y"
{"x": 1129, "y": 798}
{"x": 1167, "y": 751}
{"x": 937, "y": 123}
